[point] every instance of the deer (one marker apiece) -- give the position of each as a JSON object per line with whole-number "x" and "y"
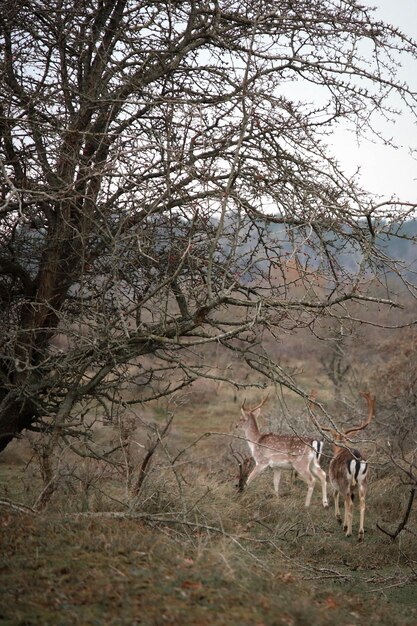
{"x": 283, "y": 452}
{"x": 349, "y": 471}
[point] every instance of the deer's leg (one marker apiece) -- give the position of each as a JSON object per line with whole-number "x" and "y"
{"x": 258, "y": 469}
{"x": 345, "y": 517}
{"x": 348, "y": 514}
{"x": 308, "y": 477}
{"x": 362, "y": 494}
{"x": 277, "y": 478}
{"x": 321, "y": 475}
{"x": 336, "y": 507}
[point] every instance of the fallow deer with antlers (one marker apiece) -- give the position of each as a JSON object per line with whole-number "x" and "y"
{"x": 283, "y": 452}
{"x": 349, "y": 472}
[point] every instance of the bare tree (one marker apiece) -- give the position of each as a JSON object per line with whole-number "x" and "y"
{"x": 162, "y": 190}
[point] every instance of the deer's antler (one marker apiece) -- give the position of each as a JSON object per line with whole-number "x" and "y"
{"x": 370, "y": 399}
{"x": 339, "y": 436}
{"x": 255, "y": 408}
{"x": 311, "y": 398}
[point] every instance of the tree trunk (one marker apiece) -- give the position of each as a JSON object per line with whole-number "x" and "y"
{"x": 16, "y": 414}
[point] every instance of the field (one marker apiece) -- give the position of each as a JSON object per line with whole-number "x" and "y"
{"x": 190, "y": 549}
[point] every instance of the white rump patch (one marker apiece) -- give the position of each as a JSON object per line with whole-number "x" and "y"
{"x": 357, "y": 470}
{"x": 317, "y": 447}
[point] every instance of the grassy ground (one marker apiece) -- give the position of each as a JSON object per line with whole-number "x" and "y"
{"x": 192, "y": 551}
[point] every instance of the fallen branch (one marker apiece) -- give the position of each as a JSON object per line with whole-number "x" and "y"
{"x": 404, "y": 521}
{"x": 18, "y": 508}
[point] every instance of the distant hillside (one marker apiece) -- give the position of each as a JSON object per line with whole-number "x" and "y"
{"x": 400, "y": 245}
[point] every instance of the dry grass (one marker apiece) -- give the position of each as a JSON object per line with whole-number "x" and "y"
{"x": 191, "y": 550}
{"x": 205, "y": 557}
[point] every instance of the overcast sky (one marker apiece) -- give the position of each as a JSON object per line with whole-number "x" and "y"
{"x": 388, "y": 171}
